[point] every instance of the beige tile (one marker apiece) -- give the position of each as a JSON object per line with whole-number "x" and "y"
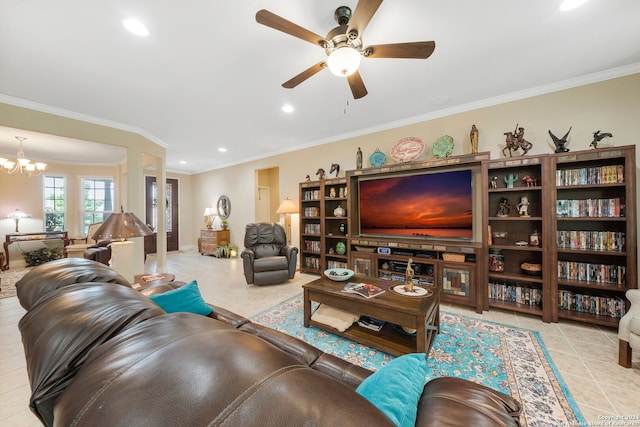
{"x": 568, "y": 362}
{"x": 624, "y": 400}
{"x": 586, "y": 391}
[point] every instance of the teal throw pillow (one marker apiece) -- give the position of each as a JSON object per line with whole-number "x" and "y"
{"x": 186, "y": 298}
{"x": 396, "y": 388}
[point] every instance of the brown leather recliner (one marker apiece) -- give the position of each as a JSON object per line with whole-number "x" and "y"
{"x": 100, "y": 252}
{"x": 266, "y": 258}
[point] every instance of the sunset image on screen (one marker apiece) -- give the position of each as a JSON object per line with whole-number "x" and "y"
{"x": 438, "y": 205}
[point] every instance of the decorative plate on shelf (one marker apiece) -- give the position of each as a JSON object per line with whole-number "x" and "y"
{"x": 407, "y": 149}
{"x": 341, "y": 248}
{"x": 378, "y": 158}
{"x": 443, "y": 147}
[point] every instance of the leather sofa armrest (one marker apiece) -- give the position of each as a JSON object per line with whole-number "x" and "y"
{"x": 227, "y": 316}
{"x": 299, "y": 349}
{"x": 457, "y": 402}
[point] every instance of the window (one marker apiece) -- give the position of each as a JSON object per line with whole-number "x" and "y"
{"x": 54, "y": 203}
{"x": 98, "y": 196}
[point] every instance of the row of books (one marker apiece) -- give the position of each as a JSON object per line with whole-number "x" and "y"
{"x": 593, "y": 208}
{"x": 311, "y": 195}
{"x": 312, "y": 245}
{"x": 585, "y": 303}
{"x": 312, "y": 228}
{"x": 397, "y": 277}
{"x": 311, "y": 211}
{"x": 312, "y": 262}
{"x": 515, "y": 293}
{"x": 607, "y": 174}
{"x": 591, "y": 240}
{"x": 336, "y": 264}
{"x": 598, "y": 274}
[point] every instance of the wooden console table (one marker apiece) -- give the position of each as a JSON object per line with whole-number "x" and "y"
{"x": 30, "y": 237}
{"x": 421, "y": 314}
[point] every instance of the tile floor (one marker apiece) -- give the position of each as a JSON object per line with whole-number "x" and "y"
{"x": 586, "y": 356}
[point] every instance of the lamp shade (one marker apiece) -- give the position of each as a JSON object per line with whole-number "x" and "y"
{"x": 120, "y": 226}
{"x": 344, "y": 61}
{"x": 17, "y": 214}
{"x": 287, "y": 207}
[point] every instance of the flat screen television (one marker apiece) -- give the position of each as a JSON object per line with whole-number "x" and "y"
{"x": 423, "y": 205}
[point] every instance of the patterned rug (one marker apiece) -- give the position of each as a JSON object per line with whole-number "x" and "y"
{"x": 8, "y": 281}
{"x": 509, "y": 359}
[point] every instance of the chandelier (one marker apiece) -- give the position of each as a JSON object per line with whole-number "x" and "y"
{"x": 21, "y": 164}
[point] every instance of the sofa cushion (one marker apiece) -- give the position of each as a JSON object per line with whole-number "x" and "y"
{"x": 396, "y": 388}
{"x": 186, "y": 298}
{"x": 270, "y": 263}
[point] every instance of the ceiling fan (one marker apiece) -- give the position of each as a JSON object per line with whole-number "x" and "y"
{"x": 343, "y": 44}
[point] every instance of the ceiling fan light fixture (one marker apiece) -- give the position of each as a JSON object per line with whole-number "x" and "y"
{"x": 344, "y": 61}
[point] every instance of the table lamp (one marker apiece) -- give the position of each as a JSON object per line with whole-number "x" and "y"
{"x": 16, "y": 215}
{"x": 287, "y": 207}
{"x": 118, "y": 227}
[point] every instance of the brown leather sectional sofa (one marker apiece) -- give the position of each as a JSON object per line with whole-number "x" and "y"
{"x": 100, "y": 353}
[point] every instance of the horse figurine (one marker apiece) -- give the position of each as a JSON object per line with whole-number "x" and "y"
{"x": 515, "y": 141}
{"x": 334, "y": 168}
{"x": 530, "y": 181}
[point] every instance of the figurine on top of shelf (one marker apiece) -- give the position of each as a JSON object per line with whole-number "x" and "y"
{"x": 510, "y": 179}
{"x": 334, "y": 168}
{"x": 515, "y": 141}
{"x": 307, "y": 178}
{"x": 320, "y": 174}
{"x": 503, "y": 207}
{"x": 523, "y": 206}
{"x": 359, "y": 159}
{"x": 560, "y": 143}
{"x": 473, "y": 135}
{"x": 530, "y": 181}
{"x": 597, "y": 137}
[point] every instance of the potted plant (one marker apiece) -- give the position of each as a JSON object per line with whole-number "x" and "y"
{"x": 226, "y": 250}
{"x": 225, "y": 224}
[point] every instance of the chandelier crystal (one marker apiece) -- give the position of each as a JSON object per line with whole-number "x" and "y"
{"x": 21, "y": 164}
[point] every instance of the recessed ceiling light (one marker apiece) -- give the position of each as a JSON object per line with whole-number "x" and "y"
{"x": 182, "y": 162}
{"x": 222, "y": 150}
{"x": 571, "y": 4}
{"x": 287, "y": 108}
{"x": 136, "y": 27}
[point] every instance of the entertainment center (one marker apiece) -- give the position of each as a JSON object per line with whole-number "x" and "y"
{"x": 551, "y": 235}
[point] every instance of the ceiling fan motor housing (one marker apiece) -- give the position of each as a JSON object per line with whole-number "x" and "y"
{"x": 342, "y": 15}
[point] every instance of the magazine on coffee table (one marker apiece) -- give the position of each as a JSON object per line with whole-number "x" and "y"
{"x": 364, "y": 289}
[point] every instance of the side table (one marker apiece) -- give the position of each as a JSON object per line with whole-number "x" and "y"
{"x": 146, "y": 281}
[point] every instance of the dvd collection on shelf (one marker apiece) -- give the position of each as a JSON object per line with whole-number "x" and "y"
{"x": 606, "y": 174}
{"x": 585, "y": 303}
{"x": 597, "y": 274}
{"x": 514, "y": 293}
{"x": 591, "y": 240}
{"x": 590, "y": 208}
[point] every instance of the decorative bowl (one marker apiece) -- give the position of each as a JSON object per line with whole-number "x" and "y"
{"x": 532, "y": 269}
{"x": 339, "y": 274}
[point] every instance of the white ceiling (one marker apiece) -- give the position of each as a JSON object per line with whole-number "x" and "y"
{"x": 209, "y": 76}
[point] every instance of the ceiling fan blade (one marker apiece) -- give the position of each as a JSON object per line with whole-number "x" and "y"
{"x": 413, "y": 50}
{"x": 276, "y": 22}
{"x": 365, "y": 9}
{"x": 357, "y": 85}
{"x": 290, "y": 84}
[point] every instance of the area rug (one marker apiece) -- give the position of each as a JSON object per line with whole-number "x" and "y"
{"x": 507, "y": 358}
{"x": 8, "y": 281}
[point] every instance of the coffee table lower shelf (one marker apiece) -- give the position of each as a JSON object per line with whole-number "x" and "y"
{"x": 386, "y": 339}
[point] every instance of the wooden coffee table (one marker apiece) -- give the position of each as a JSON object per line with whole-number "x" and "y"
{"x": 420, "y": 313}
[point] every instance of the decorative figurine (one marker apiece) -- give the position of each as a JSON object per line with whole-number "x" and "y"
{"x": 332, "y": 192}
{"x": 503, "y": 207}
{"x": 334, "y": 168}
{"x": 473, "y": 135}
{"x": 523, "y": 206}
{"x": 560, "y": 142}
{"x": 341, "y": 193}
{"x": 494, "y": 182}
{"x": 515, "y": 141}
{"x": 359, "y": 159}
{"x": 339, "y": 212}
{"x": 408, "y": 282}
{"x": 307, "y": 178}
{"x": 510, "y": 179}
{"x": 597, "y": 137}
{"x": 531, "y": 181}
{"x": 320, "y": 174}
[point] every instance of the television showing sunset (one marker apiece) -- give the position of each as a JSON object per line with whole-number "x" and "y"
{"x": 438, "y": 205}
